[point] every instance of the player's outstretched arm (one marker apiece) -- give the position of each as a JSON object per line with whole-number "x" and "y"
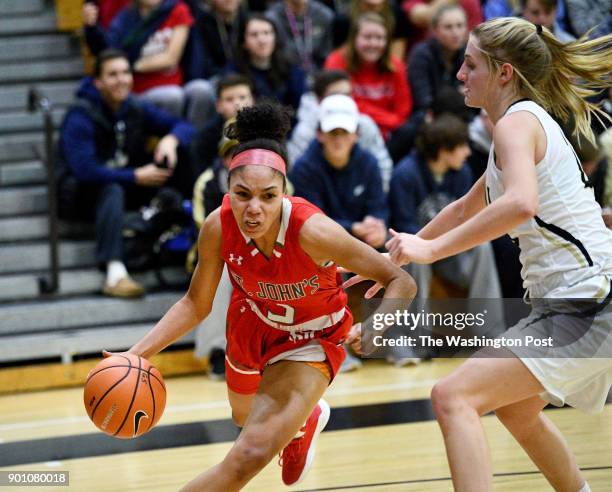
{"x": 457, "y": 212}
{"x": 325, "y": 240}
{"x": 195, "y": 305}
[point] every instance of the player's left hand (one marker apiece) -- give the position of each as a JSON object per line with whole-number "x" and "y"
{"x": 405, "y": 248}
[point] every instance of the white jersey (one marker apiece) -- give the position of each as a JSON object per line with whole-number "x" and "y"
{"x": 567, "y": 241}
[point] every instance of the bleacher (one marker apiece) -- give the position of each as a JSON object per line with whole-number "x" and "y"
{"x": 76, "y": 320}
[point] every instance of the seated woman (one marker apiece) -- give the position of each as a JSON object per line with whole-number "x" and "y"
{"x": 261, "y": 58}
{"x": 153, "y": 33}
{"x": 379, "y": 82}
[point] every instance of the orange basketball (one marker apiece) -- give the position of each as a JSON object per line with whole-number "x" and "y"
{"x": 124, "y": 396}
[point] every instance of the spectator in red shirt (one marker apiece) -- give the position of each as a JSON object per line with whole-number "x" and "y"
{"x": 153, "y": 33}
{"x": 380, "y": 86}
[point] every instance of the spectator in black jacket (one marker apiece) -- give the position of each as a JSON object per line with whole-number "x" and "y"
{"x": 434, "y": 63}
{"x": 216, "y": 30}
{"x": 104, "y": 165}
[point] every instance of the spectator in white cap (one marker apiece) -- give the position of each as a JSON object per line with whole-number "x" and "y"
{"x": 339, "y": 176}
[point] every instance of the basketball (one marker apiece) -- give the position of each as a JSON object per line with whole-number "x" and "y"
{"x": 124, "y": 396}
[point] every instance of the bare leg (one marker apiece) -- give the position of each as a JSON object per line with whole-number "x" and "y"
{"x": 475, "y": 388}
{"x": 287, "y": 394}
{"x": 241, "y": 406}
{"x": 543, "y": 442}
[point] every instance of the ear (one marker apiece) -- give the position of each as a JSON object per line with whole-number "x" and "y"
{"x": 506, "y": 73}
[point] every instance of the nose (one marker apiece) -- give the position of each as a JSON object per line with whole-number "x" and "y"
{"x": 461, "y": 74}
{"x": 253, "y": 207}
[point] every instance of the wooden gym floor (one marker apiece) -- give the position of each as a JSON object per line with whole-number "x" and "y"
{"x": 381, "y": 437}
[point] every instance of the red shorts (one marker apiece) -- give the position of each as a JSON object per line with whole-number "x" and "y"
{"x": 251, "y": 343}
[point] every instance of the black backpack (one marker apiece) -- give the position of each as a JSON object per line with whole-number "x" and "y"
{"x": 160, "y": 234}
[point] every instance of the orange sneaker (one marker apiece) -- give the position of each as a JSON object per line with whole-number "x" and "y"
{"x": 297, "y": 457}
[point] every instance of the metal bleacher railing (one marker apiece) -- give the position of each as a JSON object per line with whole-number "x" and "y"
{"x": 48, "y": 284}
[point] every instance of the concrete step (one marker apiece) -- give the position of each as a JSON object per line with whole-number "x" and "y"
{"x": 38, "y": 23}
{"x": 47, "y": 316}
{"x": 13, "y": 72}
{"x": 46, "y": 46}
{"x": 22, "y": 146}
{"x": 23, "y": 200}
{"x": 23, "y": 121}
{"x": 13, "y": 7}
{"x": 29, "y": 257}
{"x": 83, "y": 281}
{"x": 23, "y": 228}
{"x": 68, "y": 343}
{"x": 28, "y": 228}
{"x": 25, "y": 172}
{"x": 14, "y": 97}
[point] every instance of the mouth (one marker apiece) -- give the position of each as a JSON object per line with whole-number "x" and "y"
{"x": 251, "y": 225}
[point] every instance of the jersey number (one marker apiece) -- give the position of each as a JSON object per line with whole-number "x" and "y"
{"x": 286, "y": 318}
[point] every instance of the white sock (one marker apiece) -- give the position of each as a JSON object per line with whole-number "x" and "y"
{"x": 115, "y": 271}
{"x": 585, "y": 488}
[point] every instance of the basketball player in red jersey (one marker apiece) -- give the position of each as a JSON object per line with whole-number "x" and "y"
{"x": 288, "y": 316}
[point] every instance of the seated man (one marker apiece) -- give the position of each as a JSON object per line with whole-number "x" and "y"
{"x": 340, "y": 177}
{"x": 426, "y": 181}
{"x": 327, "y": 83}
{"x": 104, "y": 164}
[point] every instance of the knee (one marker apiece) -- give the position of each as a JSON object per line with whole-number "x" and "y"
{"x": 251, "y": 454}
{"x": 201, "y": 89}
{"x": 113, "y": 195}
{"x": 447, "y": 401}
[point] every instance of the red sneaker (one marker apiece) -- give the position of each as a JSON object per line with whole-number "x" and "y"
{"x": 297, "y": 457}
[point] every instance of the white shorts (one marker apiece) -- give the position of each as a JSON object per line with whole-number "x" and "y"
{"x": 577, "y": 369}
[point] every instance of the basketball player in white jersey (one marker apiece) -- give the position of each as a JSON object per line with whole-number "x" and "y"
{"x": 534, "y": 189}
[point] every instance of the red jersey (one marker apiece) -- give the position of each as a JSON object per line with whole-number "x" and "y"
{"x": 288, "y": 291}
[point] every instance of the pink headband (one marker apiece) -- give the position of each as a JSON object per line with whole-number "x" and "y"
{"x": 259, "y": 157}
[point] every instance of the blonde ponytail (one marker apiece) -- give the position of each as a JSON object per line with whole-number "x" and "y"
{"x": 555, "y": 75}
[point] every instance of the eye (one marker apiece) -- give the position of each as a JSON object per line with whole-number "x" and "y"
{"x": 269, "y": 196}
{"x": 242, "y": 194}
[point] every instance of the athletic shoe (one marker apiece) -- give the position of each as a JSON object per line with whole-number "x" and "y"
{"x": 125, "y": 287}
{"x": 350, "y": 363}
{"x": 297, "y": 457}
{"x": 404, "y": 361}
